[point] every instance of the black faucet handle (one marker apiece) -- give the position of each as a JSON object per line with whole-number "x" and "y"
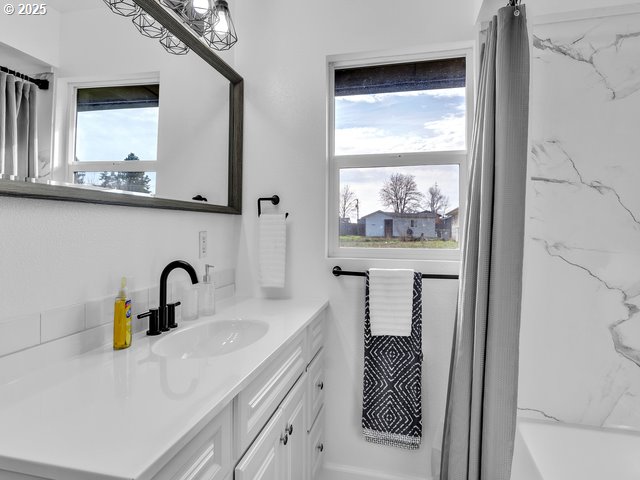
{"x": 171, "y": 314}
{"x": 154, "y": 321}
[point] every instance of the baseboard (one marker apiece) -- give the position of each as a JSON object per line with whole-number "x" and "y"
{"x": 333, "y": 471}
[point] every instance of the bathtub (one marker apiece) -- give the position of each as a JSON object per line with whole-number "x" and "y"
{"x": 554, "y": 451}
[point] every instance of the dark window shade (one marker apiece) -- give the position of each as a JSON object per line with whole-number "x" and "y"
{"x": 112, "y": 98}
{"x": 401, "y": 77}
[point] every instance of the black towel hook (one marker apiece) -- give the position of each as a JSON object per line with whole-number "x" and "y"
{"x": 275, "y": 200}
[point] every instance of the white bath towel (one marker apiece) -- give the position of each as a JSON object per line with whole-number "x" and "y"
{"x": 391, "y": 301}
{"x": 272, "y": 233}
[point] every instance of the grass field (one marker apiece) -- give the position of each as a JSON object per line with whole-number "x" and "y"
{"x": 353, "y": 241}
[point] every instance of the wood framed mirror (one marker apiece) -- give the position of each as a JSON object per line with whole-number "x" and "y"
{"x": 198, "y": 119}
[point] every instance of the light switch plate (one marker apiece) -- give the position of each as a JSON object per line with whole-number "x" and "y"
{"x": 202, "y": 250}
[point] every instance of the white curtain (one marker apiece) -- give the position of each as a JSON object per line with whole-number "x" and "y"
{"x": 18, "y": 128}
{"x": 481, "y": 411}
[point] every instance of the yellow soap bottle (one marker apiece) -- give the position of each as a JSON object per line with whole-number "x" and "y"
{"x": 122, "y": 318}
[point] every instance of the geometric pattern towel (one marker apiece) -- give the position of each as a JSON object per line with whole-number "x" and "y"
{"x": 392, "y": 395}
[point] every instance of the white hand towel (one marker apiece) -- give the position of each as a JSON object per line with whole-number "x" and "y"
{"x": 272, "y": 233}
{"x": 390, "y": 301}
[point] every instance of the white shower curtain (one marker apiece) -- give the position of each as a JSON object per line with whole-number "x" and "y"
{"x": 481, "y": 411}
{"x": 18, "y": 128}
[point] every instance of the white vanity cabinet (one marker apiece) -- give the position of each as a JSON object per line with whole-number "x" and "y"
{"x": 277, "y": 428}
{"x": 263, "y": 421}
{"x": 287, "y": 447}
{"x": 315, "y": 400}
{"x": 279, "y": 451}
{"x": 209, "y": 456}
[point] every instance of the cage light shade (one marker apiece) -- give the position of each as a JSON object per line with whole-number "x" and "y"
{"x": 126, "y": 8}
{"x": 174, "y": 4}
{"x": 148, "y": 26}
{"x": 221, "y": 33}
{"x": 173, "y": 45}
{"x": 200, "y": 7}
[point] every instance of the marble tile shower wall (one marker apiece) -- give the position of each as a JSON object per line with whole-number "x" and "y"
{"x": 33, "y": 329}
{"x": 580, "y": 337}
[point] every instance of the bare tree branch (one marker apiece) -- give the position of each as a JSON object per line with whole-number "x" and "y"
{"x": 347, "y": 202}
{"x": 401, "y": 193}
{"x": 436, "y": 200}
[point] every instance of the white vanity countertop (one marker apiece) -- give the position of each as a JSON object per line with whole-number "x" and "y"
{"x": 108, "y": 415}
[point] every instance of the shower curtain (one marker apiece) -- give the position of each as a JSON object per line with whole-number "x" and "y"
{"x": 18, "y": 128}
{"x": 481, "y": 410}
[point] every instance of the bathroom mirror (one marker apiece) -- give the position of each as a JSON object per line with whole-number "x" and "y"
{"x": 123, "y": 121}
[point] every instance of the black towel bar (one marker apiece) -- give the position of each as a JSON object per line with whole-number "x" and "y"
{"x": 338, "y": 272}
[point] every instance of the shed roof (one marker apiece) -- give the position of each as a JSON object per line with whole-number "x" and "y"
{"x": 425, "y": 214}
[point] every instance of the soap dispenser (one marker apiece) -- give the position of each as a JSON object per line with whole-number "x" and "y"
{"x": 206, "y": 297}
{"x": 122, "y": 318}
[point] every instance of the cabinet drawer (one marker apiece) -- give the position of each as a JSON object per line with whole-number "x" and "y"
{"x": 207, "y": 457}
{"x": 316, "y": 447}
{"x": 316, "y": 335}
{"x": 256, "y": 403}
{"x": 315, "y": 387}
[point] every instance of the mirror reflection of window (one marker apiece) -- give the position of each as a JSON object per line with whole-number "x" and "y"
{"x": 116, "y": 141}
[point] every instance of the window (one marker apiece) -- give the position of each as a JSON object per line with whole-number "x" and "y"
{"x": 397, "y": 148}
{"x": 116, "y": 137}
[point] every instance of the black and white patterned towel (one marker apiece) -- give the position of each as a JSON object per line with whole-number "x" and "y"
{"x": 392, "y": 396}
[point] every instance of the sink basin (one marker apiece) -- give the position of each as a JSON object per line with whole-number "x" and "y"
{"x": 211, "y": 339}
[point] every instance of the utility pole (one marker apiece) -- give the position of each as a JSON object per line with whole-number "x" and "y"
{"x": 357, "y": 211}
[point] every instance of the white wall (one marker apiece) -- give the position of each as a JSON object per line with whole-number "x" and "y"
{"x": 35, "y": 35}
{"x": 60, "y": 253}
{"x": 282, "y": 54}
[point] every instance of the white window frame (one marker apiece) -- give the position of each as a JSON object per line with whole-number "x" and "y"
{"x": 338, "y": 162}
{"x": 70, "y": 166}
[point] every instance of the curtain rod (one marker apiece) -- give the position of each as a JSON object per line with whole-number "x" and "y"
{"x": 40, "y": 83}
{"x": 338, "y": 272}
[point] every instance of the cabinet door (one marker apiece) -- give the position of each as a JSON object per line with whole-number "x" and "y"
{"x": 316, "y": 447}
{"x": 207, "y": 457}
{"x": 256, "y": 403}
{"x": 264, "y": 460}
{"x": 315, "y": 388}
{"x": 295, "y": 451}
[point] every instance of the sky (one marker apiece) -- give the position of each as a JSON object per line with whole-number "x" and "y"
{"x": 111, "y": 135}
{"x": 402, "y": 122}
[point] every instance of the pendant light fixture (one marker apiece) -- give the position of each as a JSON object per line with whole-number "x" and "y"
{"x": 172, "y": 44}
{"x": 210, "y": 19}
{"x": 174, "y": 4}
{"x": 198, "y": 8}
{"x": 126, "y": 8}
{"x": 221, "y": 33}
{"x": 148, "y": 26}
{"x": 196, "y": 13}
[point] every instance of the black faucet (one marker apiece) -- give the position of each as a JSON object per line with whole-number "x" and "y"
{"x": 163, "y": 307}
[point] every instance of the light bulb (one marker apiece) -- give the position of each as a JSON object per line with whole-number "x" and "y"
{"x": 200, "y": 6}
{"x": 222, "y": 27}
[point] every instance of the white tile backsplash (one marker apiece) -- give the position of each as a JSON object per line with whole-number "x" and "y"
{"x": 139, "y": 304}
{"x": 154, "y": 296}
{"x": 20, "y": 363}
{"x": 224, "y": 277}
{"x": 61, "y": 322}
{"x": 19, "y": 333}
{"x": 80, "y": 327}
{"x": 99, "y": 312}
{"x": 227, "y": 291}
